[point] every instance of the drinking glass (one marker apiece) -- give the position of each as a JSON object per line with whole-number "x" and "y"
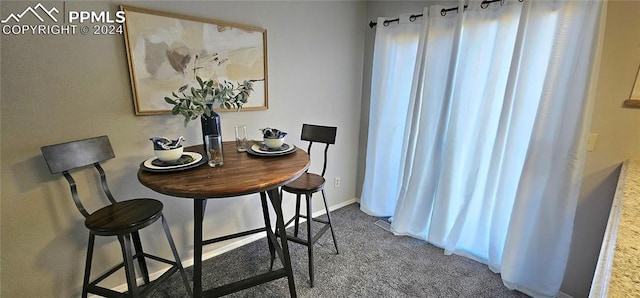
{"x": 214, "y": 150}
{"x": 242, "y": 143}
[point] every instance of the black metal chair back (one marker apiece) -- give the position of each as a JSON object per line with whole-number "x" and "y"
{"x": 319, "y": 134}
{"x": 66, "y": 157}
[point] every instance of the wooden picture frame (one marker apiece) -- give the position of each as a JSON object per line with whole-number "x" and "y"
{"x": 165, "y": 51}
{"x": 634, "y": 98}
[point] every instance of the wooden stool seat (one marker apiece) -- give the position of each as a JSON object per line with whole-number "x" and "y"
{"x": 124, "y": 217}
{"x": 308, "y": 182}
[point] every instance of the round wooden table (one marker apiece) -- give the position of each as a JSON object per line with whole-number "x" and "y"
{"x": 241, "y": 174}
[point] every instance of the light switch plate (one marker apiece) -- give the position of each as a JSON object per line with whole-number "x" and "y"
{"x": 591, "y": 142}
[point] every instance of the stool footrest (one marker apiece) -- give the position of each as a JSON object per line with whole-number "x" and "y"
{"x": 305, "y": 242}
{"x": 93, "y": 287}
{"x": 232, "y": 236}
{"x": 305, "y": 217}
{"x": 245, "y": 283}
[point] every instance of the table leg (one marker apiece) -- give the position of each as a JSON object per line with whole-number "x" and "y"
{"x": 267, "y": 224}
{"x": 199, "y": 206}
{"x": 276, "y": 201}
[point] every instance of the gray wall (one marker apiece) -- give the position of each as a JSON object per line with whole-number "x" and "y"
{"x": 62, "y": 88}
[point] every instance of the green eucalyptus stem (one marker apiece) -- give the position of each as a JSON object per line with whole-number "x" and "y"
{"x": 192, "y": 103}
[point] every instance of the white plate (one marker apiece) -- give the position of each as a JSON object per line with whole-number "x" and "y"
{"x": 148, "y": 164}
{"x": 258, "y": 148}
{"x": 257, "y": 151}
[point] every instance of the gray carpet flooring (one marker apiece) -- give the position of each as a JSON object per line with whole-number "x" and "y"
{"x": 372, "y": 263}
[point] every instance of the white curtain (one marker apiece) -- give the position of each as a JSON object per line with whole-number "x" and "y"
{"x": 493, "y": 147}
{"x": 393, "y": 64}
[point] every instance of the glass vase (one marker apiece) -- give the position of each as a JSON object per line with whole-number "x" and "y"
{"x": 210, "y": 124}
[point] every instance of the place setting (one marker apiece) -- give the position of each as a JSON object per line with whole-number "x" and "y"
{"x": 273, "y": 144}
{"x": 170, "y": 156}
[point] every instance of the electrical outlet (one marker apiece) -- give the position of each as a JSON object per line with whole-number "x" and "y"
{"x": 336, "y": 182}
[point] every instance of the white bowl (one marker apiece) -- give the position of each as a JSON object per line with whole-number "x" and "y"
{"x": 274, "y": 143}
{"x": 169, "y": 155}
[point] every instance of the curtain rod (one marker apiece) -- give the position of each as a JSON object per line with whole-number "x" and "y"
{"x": 443, "y": 13}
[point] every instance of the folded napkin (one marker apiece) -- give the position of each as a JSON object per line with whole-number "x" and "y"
{"x": 272, "y": 133}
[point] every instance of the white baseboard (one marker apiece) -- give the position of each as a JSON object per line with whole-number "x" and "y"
{"x": 335, "y": 207}
{"x": 233, "y": 245}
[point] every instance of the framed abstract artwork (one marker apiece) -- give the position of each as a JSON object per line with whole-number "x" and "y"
{"x": 166, "y": 51}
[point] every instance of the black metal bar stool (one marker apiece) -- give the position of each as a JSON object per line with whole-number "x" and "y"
{"x": 307, "y": 185}
{"x": 120, "y": 219}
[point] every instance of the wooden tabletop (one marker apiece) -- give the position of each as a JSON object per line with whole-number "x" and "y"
{"x": 241, "y": 174}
